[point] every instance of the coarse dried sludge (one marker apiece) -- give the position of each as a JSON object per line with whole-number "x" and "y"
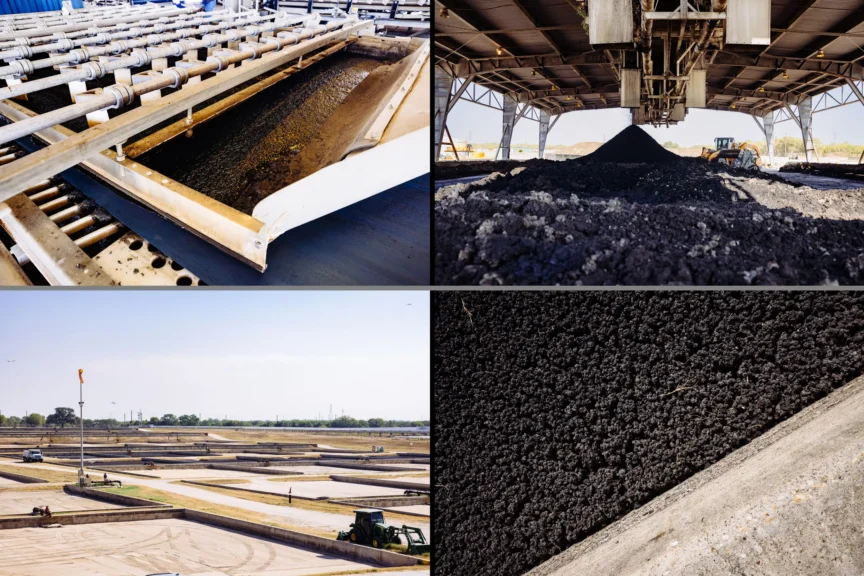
{"x": 559, "y": 412}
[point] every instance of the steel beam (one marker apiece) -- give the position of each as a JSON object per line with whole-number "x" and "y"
{"x": 443, "y": 95}
{"x": 768, "y": 121}
{"x": 544, "y": 131}
{"x": 805, "y": 120}
{"x": 510, "y": 120}
{"x": 855, "y": 89}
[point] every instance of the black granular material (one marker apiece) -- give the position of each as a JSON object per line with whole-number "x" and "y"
{"x": 462, "y": 169}
{"x": 605, "y": 223}
{"x": 557, "y": 413}
{"x": 631, "y": 145}
{"x": 226, "y": 155}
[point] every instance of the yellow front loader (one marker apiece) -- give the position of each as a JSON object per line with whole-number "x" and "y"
{"x": 743, "y": 155}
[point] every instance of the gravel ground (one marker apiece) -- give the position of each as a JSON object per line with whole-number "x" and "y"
{"x": 559, "y": 412}
{"x": 666, "y": 221}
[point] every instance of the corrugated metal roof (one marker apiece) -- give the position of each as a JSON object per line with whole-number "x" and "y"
{"x": 538, "y": 51}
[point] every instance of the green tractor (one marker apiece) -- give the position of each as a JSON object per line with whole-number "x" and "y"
{"x": 370, "y": 529}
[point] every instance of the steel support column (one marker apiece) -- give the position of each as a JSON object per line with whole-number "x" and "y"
{"x": 509, "y": 123}
{"x": 443, "y": 87}
{"x": 805, "y": 117}
{"x": 768, "y": 121}
{"x": 855, "y": 89}
{"x": 544, "y": 130}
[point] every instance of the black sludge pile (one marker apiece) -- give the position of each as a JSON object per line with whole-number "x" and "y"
{"x": 559, "y": 412}
{"x": 648, "y": 217}
{"x": 631, "y": 145}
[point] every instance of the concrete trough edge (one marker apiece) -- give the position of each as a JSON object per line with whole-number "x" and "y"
{"x": 719, "y": 468}
{"x": 120, "y": 515}
{"x": 121, "y": 499}
{"x": 22, "y": 478}
{"x": 382, "y": 482}
{"x": 234, "y": 487}
{"x": 333, "y": 546}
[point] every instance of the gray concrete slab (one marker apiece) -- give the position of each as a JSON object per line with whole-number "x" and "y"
{"x": 8, "y": 482}
{"x": 789, "y": 504}
{"x": 22, "y": 502}
{"x": 156, "y": 546}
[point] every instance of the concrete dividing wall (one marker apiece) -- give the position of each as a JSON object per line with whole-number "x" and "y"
{"x": 380, "y": 482}
{"x": 20, "y": 478}
{"x": 91, "y": 518}
{"x": 382, "y": 501}
{"x": 253, "y": 469}
{"x": 239, "y": 488}
{"x": 121, "y": 499}
{"x": 370, "y": 467}
{"x": 325, "y": 545}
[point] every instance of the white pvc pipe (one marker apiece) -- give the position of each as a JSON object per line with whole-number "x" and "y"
{"x": 80, "y": 55}
{"x": 121, "y": 95}
{"x": 72, "y": 27}
{"x": 137, "y": 58}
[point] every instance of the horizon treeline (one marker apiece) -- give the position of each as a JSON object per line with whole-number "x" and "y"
{"x": 63, "y": 417}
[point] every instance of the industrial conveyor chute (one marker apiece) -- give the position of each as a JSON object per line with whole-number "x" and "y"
{"x": 143, "y": 76}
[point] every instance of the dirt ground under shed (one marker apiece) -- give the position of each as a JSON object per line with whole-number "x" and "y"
{"x": 560, "y": 412}
{"x": 661, "y": 220}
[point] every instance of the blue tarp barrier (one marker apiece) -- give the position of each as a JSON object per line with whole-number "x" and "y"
{"x": 24, "y": 6}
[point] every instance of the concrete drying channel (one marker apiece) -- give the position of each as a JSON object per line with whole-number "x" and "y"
{"x": 633, "y": 213}
{"x": 590, "y": 406}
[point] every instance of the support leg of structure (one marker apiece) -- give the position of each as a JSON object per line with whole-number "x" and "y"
{"x": 544, "y": 131}
{"x": 805, "y": 117}
{"x": 768, "y": 120}
{"x": 855, "y": 90}
{"x": 443, "y": 87}
{"x": 509, "y": 124}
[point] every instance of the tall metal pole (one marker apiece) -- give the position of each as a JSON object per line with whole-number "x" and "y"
{"x": 81, "y": 407}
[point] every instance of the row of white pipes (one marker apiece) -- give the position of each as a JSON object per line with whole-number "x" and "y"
{"x": 137, "y": 57}
{"x": 81, "y": 50}
{"x": 120, "y": 95}
{"x": 39, "y": 39}
{"x": 77, "y": 26}
{"x": 48, "y": 19}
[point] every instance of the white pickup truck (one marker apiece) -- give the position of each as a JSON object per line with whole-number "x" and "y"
{"x": 34, "y": 455}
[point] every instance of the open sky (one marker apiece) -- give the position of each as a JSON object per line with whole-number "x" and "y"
{"x": 476, "y": 124}
{"x": 240, "y": 354}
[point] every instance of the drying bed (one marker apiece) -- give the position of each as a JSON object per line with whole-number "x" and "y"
{"x": 560, "y": 412}
{"x": 319, "y": 489}
{"x": 23, "y": 502}
{"x": 157, "y": 546}
{"x": 632, "y": 213}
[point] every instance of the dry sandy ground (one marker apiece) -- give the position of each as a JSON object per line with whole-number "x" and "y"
{"x": 13, "y": 502}
{"x": 155, "y": 546}
{"x": 7, "y": 482}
